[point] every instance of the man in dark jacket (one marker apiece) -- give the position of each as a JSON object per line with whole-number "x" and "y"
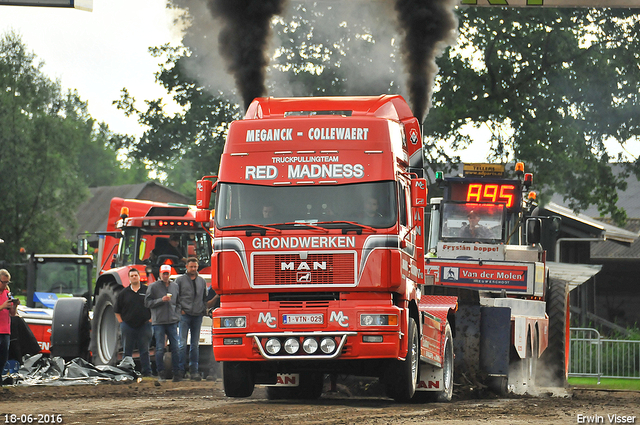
{"x": 134, "y": 317}
{"x": 193, "y": 291}
{"x": 162, "y": 299}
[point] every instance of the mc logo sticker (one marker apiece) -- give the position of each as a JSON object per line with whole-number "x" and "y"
{"x": 340, "y": 318}
{"x": 267, "y": 319}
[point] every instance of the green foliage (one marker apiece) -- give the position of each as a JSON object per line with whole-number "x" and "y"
{"x": 49, "y": 146}
{"x": 561, "y": 81}
{"x": 186, "y": 145}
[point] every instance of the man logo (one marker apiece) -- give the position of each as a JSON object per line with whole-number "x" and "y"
{"x": 340, "y": 318}
{"x": 268, "y": 319}
{"x": 303, "y": 266}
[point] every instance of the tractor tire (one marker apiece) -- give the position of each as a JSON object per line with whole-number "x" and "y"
{"x": 401, "y": 378}
{"x": 106, "y": 341}
{"x": 71, "y": 329}
{"x": 309, "y": 388}
{"x": 237, "y": 378}
{"x": 555, "y": 357}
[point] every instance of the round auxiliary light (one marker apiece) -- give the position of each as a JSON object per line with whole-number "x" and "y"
{"x": 273, "y": 346}
{"x": 310, "y": 345}
{"x": 328, "y": 345}
{"x": 367, "y": 320}
{"x": 240, "y": 322}
{"x": 291, "y": 345}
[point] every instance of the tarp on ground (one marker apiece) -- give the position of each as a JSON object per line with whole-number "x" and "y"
{"x": 42, "y": 370}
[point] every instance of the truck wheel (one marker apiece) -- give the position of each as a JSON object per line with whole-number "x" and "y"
{"x": 237, "y": 378}
{"x": 106, "y": 330}
{"x": 555, "y": 356}
{"x": 70, "y": 329}
{"x": 447, "y": 374}
{"x": 309, "y": 388}
{"x": 402, "y": 377}
{"x": 447, "y": 368}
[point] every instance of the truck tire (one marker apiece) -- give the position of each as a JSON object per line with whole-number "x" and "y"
{"x": 447, "y": 368}
{"x": 555, "y": 356}
{"x": 237, "y": 378}
{"x": 309, "y": 388}
{"x": 446, "y": 394}
{"x": 401, "y": 378}
{"x": 105, "y": 341}
{"x": 70, "y": 329}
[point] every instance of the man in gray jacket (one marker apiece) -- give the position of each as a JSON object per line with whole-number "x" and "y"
{"x": 193, "y": 291}
{"x": 163, "y": 299}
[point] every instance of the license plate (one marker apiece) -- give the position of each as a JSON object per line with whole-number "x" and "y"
{"x": 302, "y": 319}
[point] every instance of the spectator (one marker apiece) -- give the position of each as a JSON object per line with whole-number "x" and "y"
{"x": 162, "y": 299}
{"x": 7, "y": 309}
{"x": 193, "y": 292}
{"x": 134, "y": 318}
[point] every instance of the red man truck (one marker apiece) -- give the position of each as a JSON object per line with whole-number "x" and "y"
{"x": 319, "y": 251}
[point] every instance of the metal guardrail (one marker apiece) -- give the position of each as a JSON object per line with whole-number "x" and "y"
{"x": 591, "y": 355}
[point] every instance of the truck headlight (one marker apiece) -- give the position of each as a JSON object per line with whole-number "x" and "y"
{"x": 378, "y": 320}
{"x": 230, "y": 322}
{"x": 273, "y": 346}
{"x": 291, "y": 345}
{"x": 310, "y": 345}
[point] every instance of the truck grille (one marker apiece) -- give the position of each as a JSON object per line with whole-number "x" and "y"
{"x": 316, "y": 269}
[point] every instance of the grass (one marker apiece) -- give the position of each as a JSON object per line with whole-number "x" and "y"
{"x": 606, "y": 383}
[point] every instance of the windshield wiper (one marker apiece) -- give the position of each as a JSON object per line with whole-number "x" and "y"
{"x": 262, "y": 230}
{"x": 352, "y": 223}
{"x": 302, "y": 223}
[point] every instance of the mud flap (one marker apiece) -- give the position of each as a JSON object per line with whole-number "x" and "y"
{"x": 495, "y": 343}
{"x": 431, "y": 378}
{"x": 466, "y": 344}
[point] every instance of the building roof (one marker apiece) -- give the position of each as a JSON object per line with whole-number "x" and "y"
{"x": 628, "y": 199}
{"x": 595, "y": 227}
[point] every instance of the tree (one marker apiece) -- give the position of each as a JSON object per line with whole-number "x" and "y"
{"x": 45, "y": 135}
{"x": 561, "y": 82}
{"x": 188, "y": 144}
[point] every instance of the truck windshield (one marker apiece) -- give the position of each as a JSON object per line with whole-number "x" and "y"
{"x": 472, "y": 222}
{"x": 62, "y": 277}
{"x": 372, "y": 204}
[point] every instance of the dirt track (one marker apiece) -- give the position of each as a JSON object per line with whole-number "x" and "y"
{"x": 205, "y": 403}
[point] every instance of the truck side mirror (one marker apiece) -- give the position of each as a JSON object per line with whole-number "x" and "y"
{"x": 203, "y": 193}
{"x": 534, "y": 230}
{"x": 419, "y": 192}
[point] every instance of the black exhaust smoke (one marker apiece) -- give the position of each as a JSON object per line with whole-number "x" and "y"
{"x": 244, "y": 39}
{"x": 428, "y": 27}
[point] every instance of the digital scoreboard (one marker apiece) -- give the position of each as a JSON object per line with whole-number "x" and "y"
{"x": 507, "y": 192}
